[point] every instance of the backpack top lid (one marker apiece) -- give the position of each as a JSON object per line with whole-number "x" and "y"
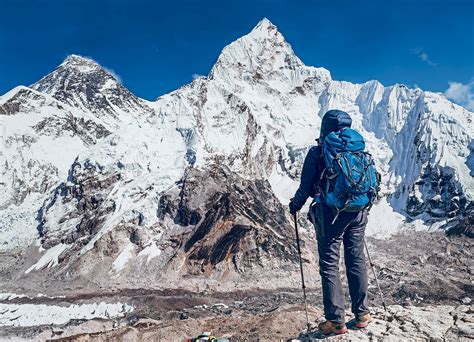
{"x": 333, "y": 121}
{"x": 344, "y": 140}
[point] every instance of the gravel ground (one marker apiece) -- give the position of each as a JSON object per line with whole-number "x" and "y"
{"x": 426, "y": 279}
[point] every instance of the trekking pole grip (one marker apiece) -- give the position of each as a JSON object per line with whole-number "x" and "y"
{"x": 295, "y": 220}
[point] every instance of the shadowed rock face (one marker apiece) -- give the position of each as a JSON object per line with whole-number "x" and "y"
{"x": 444, "y": 194}
{"x": 85, "y": 193}
{"x": 464, "y": 225}
{"x": 235, "y": 222}
{"x": 23, "y": 101}
{"x": 89, "y": 131}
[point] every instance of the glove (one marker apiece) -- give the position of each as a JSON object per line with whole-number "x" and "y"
{"x": 293, "y": 208}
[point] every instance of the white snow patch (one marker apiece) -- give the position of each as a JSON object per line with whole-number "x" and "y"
{"x": 11, "y": 296}
{"x": 283, "y": 186}
{"x": 50, "y": 258}
{"x": 150, "y": 252}
{"x": 27, "y": 315}
{"x": 384, "y": 221}
{"x": 124, "y": 256}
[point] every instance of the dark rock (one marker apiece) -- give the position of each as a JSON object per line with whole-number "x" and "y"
{"x": 464, "y": 225}
{"x": 235, "y": 219}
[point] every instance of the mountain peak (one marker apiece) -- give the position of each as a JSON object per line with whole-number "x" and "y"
{"x": 73, "y": 58}
{"x": 81, "y": 63}
{"x": 82, "y": 83}
{"x": 264, "y": 49}
{"x": 264, "y": 30}
{"x": 263, "y": 24}
{"x": 75, "y": 69}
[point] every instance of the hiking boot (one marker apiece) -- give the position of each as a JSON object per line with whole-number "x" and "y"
{"x": 363, "y": 321}
{"x": 329, "y": 327}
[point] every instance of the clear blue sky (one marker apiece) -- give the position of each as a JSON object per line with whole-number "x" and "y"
{"x": 156, "y": 46}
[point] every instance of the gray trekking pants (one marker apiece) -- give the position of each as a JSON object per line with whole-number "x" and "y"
{"x": 349, "y": 228}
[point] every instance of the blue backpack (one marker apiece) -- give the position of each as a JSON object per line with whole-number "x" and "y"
{"x": 352, "y": 183}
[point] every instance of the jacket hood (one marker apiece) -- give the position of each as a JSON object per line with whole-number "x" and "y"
{"x": 333, "y": 121}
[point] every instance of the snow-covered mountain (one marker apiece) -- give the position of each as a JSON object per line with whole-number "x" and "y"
{"x": 44, "y": 127}
{"x": 115, "y": 183}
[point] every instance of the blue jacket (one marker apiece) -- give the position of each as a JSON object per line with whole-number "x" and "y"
{"x": 310, "y": 175}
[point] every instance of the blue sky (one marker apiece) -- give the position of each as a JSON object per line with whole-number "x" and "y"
{"x": 157, "y": 46}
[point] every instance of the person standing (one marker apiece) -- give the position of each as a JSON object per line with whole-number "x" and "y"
{"x": 340, "y": 176}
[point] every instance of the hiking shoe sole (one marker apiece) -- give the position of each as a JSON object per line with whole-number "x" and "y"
{"x": 336, "y": 332}
{"x": 362, "y": 325}
{"x": 341, "y": 331}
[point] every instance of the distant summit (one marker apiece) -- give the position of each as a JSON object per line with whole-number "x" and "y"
{"x": 83, "y": 84}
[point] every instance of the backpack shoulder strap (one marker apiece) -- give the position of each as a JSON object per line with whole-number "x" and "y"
{"x": 318, "y": 150}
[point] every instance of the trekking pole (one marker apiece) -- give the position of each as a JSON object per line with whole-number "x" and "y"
{"x": 308, "y": 325}
{"x": 375, "y": 275}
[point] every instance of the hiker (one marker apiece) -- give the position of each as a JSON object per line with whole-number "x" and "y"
{"x": 337, "y": 221}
